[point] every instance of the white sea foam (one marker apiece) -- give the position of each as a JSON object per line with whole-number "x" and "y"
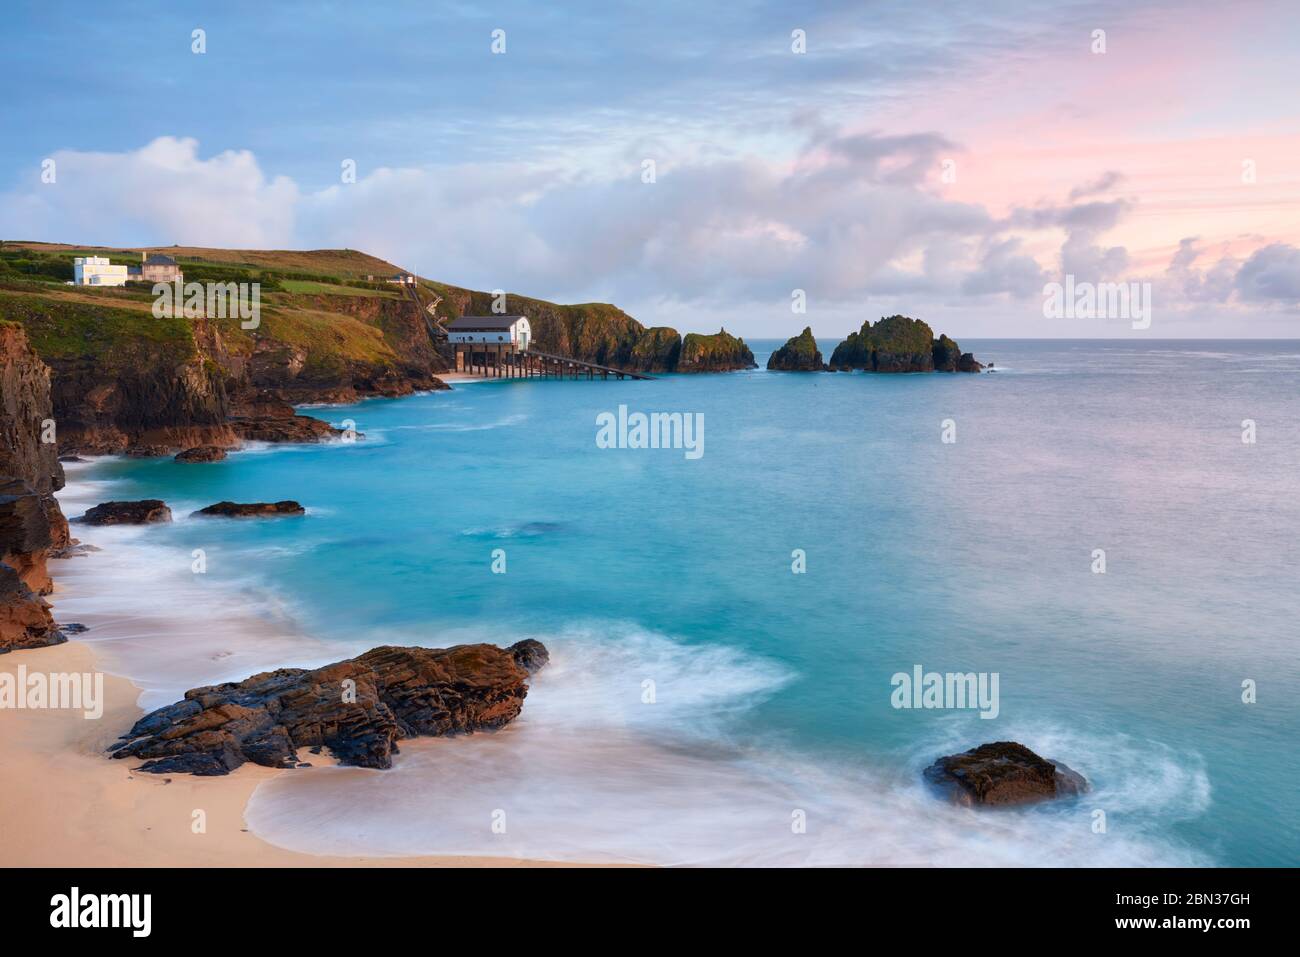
{"x": 155, "y": 621}
{"x": 591, "y": 773}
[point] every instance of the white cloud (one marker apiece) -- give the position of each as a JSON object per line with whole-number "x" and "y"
{"x": 854, "y": 220}
{"x": 162, "y": 193}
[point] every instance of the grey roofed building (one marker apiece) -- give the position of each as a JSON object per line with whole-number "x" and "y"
{"x": 157, "y": 259}
{"x": 482, "y": 323}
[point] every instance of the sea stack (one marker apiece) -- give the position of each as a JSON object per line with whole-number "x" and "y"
{"x": 799, "y": 354}
{"x": 900, "y": 344}
{"x": 721, "y": 352}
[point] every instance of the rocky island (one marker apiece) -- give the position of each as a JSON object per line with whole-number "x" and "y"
{"x": 894, "y": 344}
{"x": 799, "y": 354}
{"x": 900, "y": 344}
{"x": 721, "y": 352}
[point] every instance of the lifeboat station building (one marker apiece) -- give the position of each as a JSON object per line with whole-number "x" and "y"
{"x": 488, "y": 343}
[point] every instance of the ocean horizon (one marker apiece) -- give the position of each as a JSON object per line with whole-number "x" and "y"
{"x": 725, "y": 629}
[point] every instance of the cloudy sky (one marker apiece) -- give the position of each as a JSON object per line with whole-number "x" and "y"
{"x": 941, "y": 160}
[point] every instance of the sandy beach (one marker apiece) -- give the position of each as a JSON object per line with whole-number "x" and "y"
{"x": 65, "y": 804}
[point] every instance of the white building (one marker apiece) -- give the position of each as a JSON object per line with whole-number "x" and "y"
{"x": 97, "y": 271}
{"x": 491, "y": 343}
{"x": 490, "y": 331}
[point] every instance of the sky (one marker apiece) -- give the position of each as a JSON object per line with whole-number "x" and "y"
{"x": 753, "y": 166}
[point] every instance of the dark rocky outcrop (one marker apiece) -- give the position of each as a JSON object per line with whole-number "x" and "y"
{"x": 265, "y": 419}
{"x": 202, "y": 453}
{"x": 530, "y": 654}
{"x": 721, "y": 352}
{"x": 32, "y": 531}
{"x": 144, "y": 512}
{"x": 359, "y": 709}
{"x": 25, "y": 408}
{"x": 799, "y": 354}
{"x": 946, "y": 354}
{"x": 900, "y": 344}
{"x": 252, "y": 509}
{"x": 25, "y": 619}
{"x": 1003, "y": 773}
{"x": 32, "y": 527}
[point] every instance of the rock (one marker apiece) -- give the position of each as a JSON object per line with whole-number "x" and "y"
{"x": 32, "y": 526}
{"x": 25, "y": 619}
{"x": 29, "y": 526}
{"x": 253, "y": 509}
{"x": 721, "y": 352}
{"x": 144, "y": 512}
{"x": 71, "y": 458}
{"x": 946, "y": 353}
{"x": 27, "y": 447}
{"x": 73, "y": 628}
{"x": 1003, "y": 773}
{"x": 530, "y": 654}
{"x": 967, "y": 363}
{"x": 359, "y": 709}
{"x": 799, "y": 354}
{"x": 267, "y": 420}
{"x": 202, "y": 453}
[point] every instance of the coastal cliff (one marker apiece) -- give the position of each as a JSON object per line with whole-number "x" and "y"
{"x": 125, "y": 381}
{"x": 32, "y": 527}
{"x": 330, "y": 330}
{"x": 900, "y": 344}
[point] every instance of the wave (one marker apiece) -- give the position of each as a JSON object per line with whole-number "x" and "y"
{"x": 632, "y": 746}
{"x": 590, "y": 772}
{"x": 504, "y": 423}
{"x": 156, "y": 621}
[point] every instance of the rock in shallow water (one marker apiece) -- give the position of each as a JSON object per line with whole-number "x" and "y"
{"x": 1003, "y": 773}
{"x": 359, "y": 709}
{"x": 144, "y": 512}
{"x": 252, "y": 509}
{"x": 202, "y": 453}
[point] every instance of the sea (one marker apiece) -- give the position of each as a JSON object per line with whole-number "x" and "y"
{"x": 1111, "y": 528}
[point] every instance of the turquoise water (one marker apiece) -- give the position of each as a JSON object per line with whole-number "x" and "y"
{"x": 772, "y": 691}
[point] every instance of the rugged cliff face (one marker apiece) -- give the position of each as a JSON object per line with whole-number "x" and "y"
{"x": 127, "y": 381}
{"x": 656, "y": 350}
{"x": 332, "y": 348}
{"x": 799, "y": 354}
{"x": 32, "y": 528}
{"x": 900, "y": 344}
{"x": 123, "y": 379}
{"x": 721, "y": 352}
{"x": 24, "y": 408}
